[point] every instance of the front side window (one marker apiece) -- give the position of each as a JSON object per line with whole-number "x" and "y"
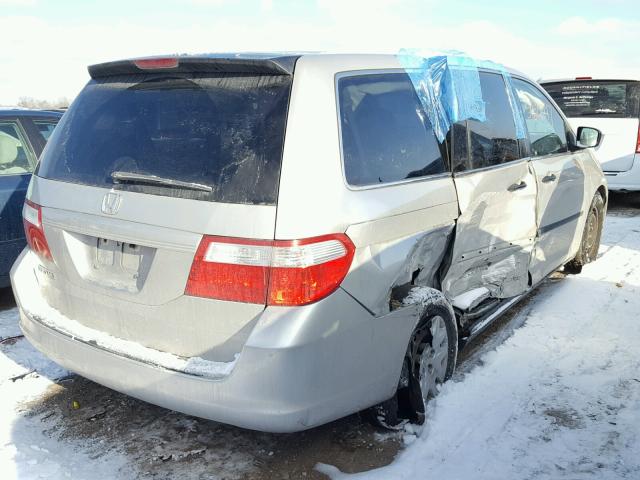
{"x": 547, "y": 130}
{"x": 15, "y": 156}
{"x": 386, "y": 135}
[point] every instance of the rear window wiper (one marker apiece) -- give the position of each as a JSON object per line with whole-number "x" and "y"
{"x": 131, "y": 177}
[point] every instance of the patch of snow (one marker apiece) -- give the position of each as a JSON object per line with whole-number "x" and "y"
{"x": 192, "y": 365}
{"x": 470, "y": 299}
{"x": 8, "y": 325}
{"x": 423, "y": 295}
{"x": 25, "y": 450}
{"x": 560, "y": 399}
{"x": 427, "y": 295}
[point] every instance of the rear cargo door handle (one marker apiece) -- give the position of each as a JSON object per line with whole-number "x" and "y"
{"x": 549, "y": 178}
{"x": 517, "y": 186}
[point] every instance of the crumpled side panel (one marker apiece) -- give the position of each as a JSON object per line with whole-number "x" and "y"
{"x": 496, "y": 273}
{"x": 390, "y": 270}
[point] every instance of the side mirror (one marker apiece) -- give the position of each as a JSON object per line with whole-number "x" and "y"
{"x": 589, "y": 137}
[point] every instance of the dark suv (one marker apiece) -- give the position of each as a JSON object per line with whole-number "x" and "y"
{"x": 23, "y": 134}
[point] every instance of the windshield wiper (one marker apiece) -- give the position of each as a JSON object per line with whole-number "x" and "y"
{"x": 131, "y": 177}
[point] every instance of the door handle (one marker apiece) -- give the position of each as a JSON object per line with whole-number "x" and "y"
{"x": 549, "y": 178}
{"x": 517, "y": 186}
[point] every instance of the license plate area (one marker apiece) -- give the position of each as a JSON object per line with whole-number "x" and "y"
{"x": 119, "y": 265}
{"x": 111, "y": 253}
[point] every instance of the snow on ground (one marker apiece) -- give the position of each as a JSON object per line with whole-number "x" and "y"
{"x": 28, "y": 452}
{"x": 559, "y": 399}
{"x": 553, "y": 394}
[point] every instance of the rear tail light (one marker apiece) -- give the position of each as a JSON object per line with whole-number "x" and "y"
{"x": 638, "y": 141}
{"x": 272, "y": 272}
{"x": 32, "y": 219}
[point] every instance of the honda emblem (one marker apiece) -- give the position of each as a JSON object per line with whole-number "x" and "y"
{"x": 111, "y": 203}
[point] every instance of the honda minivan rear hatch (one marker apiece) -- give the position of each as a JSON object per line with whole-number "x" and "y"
{"x": 150, "y": 158}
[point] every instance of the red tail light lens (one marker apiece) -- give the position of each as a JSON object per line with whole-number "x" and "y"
{"x": 156, "y": 63}
{"x": 32, "y": 219}
{"x": 279, "y": 272}
{"x": 638, "y": 141}
{"x": 230, "y": 269}
{"x": 304, "y": 271}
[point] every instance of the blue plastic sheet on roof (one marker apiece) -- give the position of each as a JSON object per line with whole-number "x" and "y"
{"x": 448, "y": 87}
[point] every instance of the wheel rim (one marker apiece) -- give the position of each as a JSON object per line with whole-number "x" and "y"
{"x": 434, "y": 359}
{"x": 592, "y": 231}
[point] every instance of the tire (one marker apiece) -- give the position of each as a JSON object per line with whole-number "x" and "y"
{"x": 429, "y": 361}
{"x": 590, "y": 243}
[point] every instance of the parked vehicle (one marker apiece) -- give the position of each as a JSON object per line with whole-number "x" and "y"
{"x": 275, "y": 242}
{"x": 613, "y": 107}
{"x": 23, "y": 134}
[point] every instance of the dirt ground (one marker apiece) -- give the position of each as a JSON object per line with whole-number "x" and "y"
{"x": 158, "y": 443}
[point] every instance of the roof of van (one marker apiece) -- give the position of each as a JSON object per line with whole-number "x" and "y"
{"x": 274, "y": 63}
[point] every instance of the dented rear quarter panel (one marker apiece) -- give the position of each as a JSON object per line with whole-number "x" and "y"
{"x": 398, "y": 229}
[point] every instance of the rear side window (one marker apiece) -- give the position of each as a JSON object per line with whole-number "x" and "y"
{"x": 217, "y": 137}
{"x": 605, "y": 99}
{"x": 386, "y": 135}
{"x": 493, "y": 141}
{"x": 45, "y": 128}
{"x": 547, "y": 130}
{"x": 15, "y": 156}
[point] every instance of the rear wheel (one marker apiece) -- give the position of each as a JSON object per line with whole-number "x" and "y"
{"x": 429, "y": 362}
{"x": 590, "y": 243}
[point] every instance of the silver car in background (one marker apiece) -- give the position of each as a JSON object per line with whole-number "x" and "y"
{"x": 276, "y": 241}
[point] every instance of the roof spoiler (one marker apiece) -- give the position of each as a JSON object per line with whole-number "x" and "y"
{"x": 197, "y": 64}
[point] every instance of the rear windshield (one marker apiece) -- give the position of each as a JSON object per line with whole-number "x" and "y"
{"x": 218, "y": 138}
{"x": 586, "y": 98}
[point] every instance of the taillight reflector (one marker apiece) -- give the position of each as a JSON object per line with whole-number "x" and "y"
{"x": 34, "y": 231}
{"x": 278, "y": 272}
{"x": 156, "y": 63}
{"x": 638, "y": 141}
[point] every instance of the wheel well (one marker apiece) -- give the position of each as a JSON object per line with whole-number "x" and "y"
{"x": 603, "y": 191}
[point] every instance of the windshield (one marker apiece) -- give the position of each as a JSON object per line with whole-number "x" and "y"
{"x": 224, "y": 131}
{"x": 586, "y": 98}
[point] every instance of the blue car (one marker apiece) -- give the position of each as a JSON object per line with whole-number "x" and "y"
{"x": 23, "y": 135}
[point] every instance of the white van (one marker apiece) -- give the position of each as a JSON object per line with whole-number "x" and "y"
{"x": 613, "y": 107}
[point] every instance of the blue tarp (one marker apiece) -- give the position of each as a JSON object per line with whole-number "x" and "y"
{"x": 448, "y": 86}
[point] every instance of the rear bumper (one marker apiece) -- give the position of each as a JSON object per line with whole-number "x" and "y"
{"x": 625, "y": 181}
{"x": 336, "y": 360}
{"x": 245, "y": 400}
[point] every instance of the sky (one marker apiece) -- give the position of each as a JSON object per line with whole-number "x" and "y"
{"x": 49, "y": 43}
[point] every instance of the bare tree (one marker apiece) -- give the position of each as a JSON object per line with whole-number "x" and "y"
{"x": 30, "y": 102}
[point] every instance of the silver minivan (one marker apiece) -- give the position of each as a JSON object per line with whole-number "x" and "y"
{"x": 275, "y": 242}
